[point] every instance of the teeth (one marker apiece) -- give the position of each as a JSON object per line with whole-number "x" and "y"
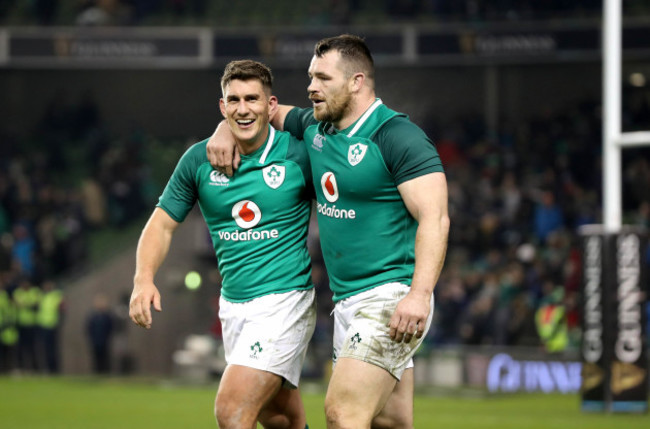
{"x": 245, "y": 121}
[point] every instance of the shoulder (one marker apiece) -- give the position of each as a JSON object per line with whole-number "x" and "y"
{"x": 295, "y": 148}
{"x": 400, "y": 129}
{"x": 298, "y": 120}
{"x": 197, "y": 151}
{"x": 193, "y": 157}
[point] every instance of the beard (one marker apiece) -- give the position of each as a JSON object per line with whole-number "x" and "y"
{"x": 334, "y": 109}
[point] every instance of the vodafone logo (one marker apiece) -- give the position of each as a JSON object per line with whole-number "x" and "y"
{"x": 246, "y": 213}
{"x": 331, "y": 192}
{"x": 330, "y": 188}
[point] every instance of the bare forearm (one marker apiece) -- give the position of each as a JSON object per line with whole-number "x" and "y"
{"x": 430, "y": 251}
{"x": 152, "y": 250}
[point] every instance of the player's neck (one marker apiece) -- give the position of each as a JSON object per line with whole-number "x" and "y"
{"x": 246, "y": 147}
{"x": 358, "y": 107}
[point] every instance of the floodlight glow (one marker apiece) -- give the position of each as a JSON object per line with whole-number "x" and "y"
{"x": 192, "y": 280}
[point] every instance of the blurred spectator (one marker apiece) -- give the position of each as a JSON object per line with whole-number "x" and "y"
{"x": 551, "y": 322}
{"x": 99, "y": 329}
{"x": 476, "y": 325}
{"x": 24, "y": 249}
{"x": 49, "y": 320}
{"x": 27, "y": 298}
{"x": 548, "y": 216}
{"x": 8, "y": 329}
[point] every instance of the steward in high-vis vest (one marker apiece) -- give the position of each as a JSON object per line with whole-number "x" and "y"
{"x": 551, "y": 323}
{"x": 8, "y": 332}
{"x": 49, "y": 320}
{"x": 27, "y": 298}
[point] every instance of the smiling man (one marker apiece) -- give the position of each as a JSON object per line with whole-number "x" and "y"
{"x": 258, "y": 223}
{"x": 381, "y": 196}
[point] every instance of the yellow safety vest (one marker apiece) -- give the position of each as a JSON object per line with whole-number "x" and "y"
{"x": 552, "y": 327}
{"x": 48, "y": 312}
{"x": 8, "y": 331}
{"x": 27, "y": 302}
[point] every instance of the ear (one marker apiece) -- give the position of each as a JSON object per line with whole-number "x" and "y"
{"x": 273, "y": 106}
{"x": 222, "y": 107}
{"x": 357, "y": 81}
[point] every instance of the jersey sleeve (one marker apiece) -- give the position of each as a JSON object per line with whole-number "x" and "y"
{"x": 407, "y": 151}
{"x": 180, "y": 194}
{"x": 298, "y": 120}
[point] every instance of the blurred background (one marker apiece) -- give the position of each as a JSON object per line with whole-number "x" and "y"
{"x": 99, "y": 99}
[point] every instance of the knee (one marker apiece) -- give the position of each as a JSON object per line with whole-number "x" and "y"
{"x": 229, "y": 414}
{"x": 339, "y": 416}
{"x": 394, "y": 421}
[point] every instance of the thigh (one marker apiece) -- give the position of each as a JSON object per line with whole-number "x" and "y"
{"x": 357, "y": 392}
{"x": 398, "y": 409}
{"x": 248, "y": 389}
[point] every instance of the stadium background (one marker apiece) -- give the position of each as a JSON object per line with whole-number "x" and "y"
{"x": 509, "y": 91}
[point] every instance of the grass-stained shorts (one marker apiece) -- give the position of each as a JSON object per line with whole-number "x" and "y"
{"x": 270, "y": 333}
{"x": 361, "y": 329}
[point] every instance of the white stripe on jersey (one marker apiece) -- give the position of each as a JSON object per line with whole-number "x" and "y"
{"x": 269, "y": 143}
{"x": 364, "y": 117}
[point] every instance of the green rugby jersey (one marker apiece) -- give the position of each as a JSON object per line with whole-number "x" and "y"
{"x": 257, "y": 219}
{"x": 367, "y": 235}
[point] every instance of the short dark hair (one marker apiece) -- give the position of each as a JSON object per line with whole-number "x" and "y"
{"x": 353, "y": 50}
{"x": 247, "y": 70}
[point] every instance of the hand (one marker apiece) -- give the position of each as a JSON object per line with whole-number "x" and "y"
{"x": 410, "y": 318}
{"x": 140, "y": 306}
{"x": 221, "y": 151}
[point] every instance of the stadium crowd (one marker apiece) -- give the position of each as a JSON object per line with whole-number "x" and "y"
{"x": 318, "y": 12}
{"x": 57, "y": 188}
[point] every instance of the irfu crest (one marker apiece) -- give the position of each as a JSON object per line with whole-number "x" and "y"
{"x": 356, "y": 152}
{"x": 273, "y": 175}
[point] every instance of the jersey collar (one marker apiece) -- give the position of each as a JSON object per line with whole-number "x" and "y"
{"x": 265, "y": 148}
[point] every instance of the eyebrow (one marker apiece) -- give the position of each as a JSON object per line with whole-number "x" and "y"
{"x": 318, "y": 74}
{"x": 246, "y": 96}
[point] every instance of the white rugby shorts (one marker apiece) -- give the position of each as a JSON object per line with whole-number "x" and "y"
{"x": 270, "y": 333}
{"x": 361, "y": 329}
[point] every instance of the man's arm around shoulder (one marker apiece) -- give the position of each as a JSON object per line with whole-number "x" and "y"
{"x": 221, "y": 147}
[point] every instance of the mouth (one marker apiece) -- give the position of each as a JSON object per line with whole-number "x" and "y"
{"x": 245, "y": 123}
{"x": 316, "y": 101}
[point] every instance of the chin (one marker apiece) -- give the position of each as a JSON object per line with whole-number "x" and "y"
{"x": 321, "y": 115}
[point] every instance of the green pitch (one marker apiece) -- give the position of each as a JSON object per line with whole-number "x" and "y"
{"x": 63, "y": 403}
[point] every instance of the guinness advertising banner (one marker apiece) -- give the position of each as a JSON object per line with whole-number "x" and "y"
{"x": 615, "y": 363}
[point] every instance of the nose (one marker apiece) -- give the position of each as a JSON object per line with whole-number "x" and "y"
{"x": 312, "y": 88}
{"x": 242, "y": 107}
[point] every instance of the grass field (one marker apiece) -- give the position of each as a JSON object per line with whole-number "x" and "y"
{"x": 64, "y": 403}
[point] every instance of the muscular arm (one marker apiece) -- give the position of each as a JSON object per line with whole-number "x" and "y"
{"x": 152, "y": 249}
{"x": 221, "y": 146}
{"x": 426, "y": 199}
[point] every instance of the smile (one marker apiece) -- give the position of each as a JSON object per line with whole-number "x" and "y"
{"x": 245, "y": 122}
